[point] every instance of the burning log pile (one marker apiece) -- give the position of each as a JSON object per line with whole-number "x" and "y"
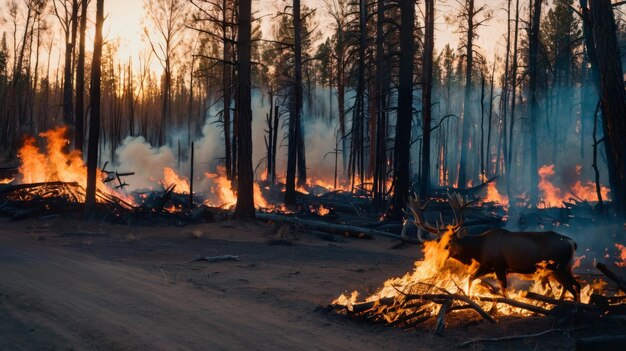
{"x": 433, "y": 298}
{"x": 443, "y": 289}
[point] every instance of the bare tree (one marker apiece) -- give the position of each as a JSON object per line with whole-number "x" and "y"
{"x": 401, "y": 177}
{"x": 244, "y": 209}
{"x": 94, "y": 121}
{"x": 427, "y": 87}
{"x": 533, "y": 111}
{"x": 168, "y": 21}
{"x": 80, "y": 80}
{"x": 613, "y": 98}
{"x": 67, "y": 13}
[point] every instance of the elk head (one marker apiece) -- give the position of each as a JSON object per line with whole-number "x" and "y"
{"x": 458, "y": 205}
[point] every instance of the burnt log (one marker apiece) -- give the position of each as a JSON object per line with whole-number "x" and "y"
{"x": 621, "y": 283}
{"x": 330, "y": 227}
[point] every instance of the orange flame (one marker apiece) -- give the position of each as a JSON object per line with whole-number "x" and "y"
{"x": 56, "y": 164}
{"x": 553, "y": 196}
{"x": 622, "y": 255}
{"x": 170, "y": 177}
{"x": 494, "y": 196}
{"x": 438, "y": 272}
{"x": 6, "y": 180}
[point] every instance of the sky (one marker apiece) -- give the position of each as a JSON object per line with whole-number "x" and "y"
{"x": 125, "y": 21}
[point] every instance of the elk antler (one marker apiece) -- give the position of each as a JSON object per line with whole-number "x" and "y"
{"x": 413, "y": 204}
{"x": 458, "y": 204}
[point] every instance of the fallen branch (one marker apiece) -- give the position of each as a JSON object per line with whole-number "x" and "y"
{"x": 215, "y": 258}
{"x": 329, "y": 227}
{"x": 621, "y": 284}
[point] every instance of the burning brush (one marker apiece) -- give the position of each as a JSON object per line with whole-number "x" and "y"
{"x": 441, "y": 283}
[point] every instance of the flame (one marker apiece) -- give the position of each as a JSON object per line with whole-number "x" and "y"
{"x": 6, "y": 180}
{"x": 221, "y": 189}
{"x": 494, "y": 196}
{"x": 553, "y": 196}
{"x": 437, "y": 272}
{"x": 57, "y": 165}
{"x": 320, "y": 211}
{"x": 259, "y": 200}
{"x": 622, "y": 255}
{"x": 170, "y": 177}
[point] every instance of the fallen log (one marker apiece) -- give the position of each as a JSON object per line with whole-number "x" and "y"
{"x": 621, "y": 283}
{"x": 329, "y": 227}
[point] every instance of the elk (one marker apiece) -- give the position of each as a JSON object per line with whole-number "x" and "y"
{"x": 501, "y": 251}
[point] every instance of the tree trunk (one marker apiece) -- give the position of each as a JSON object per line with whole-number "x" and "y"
{"x": 79, "y": 132}
{"x": 94, "y": 121}
{"x": 380, "y": 94}
{"x": 427, "y": 79}
{"x": 509, "y": 152}
{"x": 226, "y": 89}
{"x": 244, "y": 209}
{"x": 467, "y": 118}
{"x": 533, "y": 52}
{"x": 294, "y": 151}
{"x": 613, "y": 99}
{"x": 402, "y": 142}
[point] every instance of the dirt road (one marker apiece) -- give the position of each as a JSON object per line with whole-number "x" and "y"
{"x": 86, "y": 285}
{"x": 57, "y": 297}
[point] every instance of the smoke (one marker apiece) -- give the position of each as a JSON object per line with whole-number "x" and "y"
{"x": 137, "y": 155}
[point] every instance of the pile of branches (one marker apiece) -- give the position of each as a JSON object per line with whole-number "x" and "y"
{"x": 410, "y": 310}
{"x": 19, "y": 201}
{"x": 66, "y": 199}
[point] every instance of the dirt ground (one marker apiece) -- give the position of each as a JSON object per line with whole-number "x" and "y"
{"x": 87, "y": 285}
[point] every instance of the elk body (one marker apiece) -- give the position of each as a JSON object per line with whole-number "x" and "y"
{"x": 501, "y": 251}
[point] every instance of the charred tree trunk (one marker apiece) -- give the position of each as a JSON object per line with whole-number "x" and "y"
{"x": 533, "y": 52}
{"x": 244, "y": 209}
{"x": 226, "y": 91}
{"x": 70, "y": 36}
{"x": 275, "y": 140}
{"x": 427, "y": 86}
{"x": 381, "y": 116}
{"x": 402, "y": 143}
{"x": 613, "y": 99}
{"x": 509, "y": 152}
{"x": 94, "y": 121}
{"x": 294, "y": 151}
{"x": 469, "y": 57}
{"x": 79, "y": 132}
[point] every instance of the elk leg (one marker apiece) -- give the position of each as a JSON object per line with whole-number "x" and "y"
{"x": 501, "y": 275}
{"x": 569, "y": 283}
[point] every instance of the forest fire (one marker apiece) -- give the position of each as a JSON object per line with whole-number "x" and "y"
{"x": 439, "y": 283}
{"x": 553, "y": 196}
{"x": 55, "y": 164}
{"x": 171, "y": 178}
{"x": 493, "y": 195}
